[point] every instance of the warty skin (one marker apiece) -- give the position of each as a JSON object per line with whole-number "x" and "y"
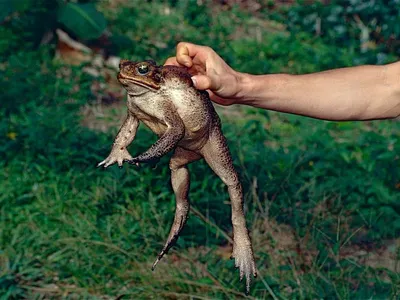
{"x": 165, "y": 100}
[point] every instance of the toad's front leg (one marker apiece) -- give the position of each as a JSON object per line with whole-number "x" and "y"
{"x": 217, "y": 155}
{"x": 180, "y": 184}
{"x": 125, "y": 136}
{"x": 168, "y": 141}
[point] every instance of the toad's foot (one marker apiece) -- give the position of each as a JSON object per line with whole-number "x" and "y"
{"x": 244, "y": 260}
{"x": 117, "y": 155}
{"x": 179, "y": 221}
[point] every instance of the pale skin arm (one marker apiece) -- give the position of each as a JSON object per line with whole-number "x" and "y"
{"x": 355, "y": 93}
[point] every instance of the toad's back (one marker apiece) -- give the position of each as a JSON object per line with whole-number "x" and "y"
{"x": 193, "y": 107}
{"x": 165, "y": 100}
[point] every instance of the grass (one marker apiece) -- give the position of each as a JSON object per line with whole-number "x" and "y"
{"x": 321, "y": 197}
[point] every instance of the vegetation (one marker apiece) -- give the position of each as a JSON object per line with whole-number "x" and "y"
{"x": 322, "y": 198}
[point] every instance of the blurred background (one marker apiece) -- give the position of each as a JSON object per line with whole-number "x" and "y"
{"x": 322, "y": 198}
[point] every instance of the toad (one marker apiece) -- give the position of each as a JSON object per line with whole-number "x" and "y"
{"x": 165, "y": 100}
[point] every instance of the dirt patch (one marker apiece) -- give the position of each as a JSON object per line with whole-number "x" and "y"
{"x": 386, "y": 256}
{"x": 282, "y": 245}
{"x": 103, "y": 117}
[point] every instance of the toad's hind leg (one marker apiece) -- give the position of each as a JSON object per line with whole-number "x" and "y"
{"x": 217, "y": 155}
{"x": 180, "y": 185}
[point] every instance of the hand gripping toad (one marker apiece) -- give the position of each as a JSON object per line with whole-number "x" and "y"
{"x": 184, "y": 119}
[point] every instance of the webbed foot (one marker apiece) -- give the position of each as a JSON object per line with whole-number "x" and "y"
{"x": 244, "y": 260}
{"x": 179, "y": 221}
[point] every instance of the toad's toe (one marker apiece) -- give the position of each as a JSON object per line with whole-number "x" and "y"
{"x": 244, "y": 260}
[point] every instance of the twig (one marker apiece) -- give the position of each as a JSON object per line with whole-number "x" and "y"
{"x": 209, "y": 222}
{"x": 271, "y": 292}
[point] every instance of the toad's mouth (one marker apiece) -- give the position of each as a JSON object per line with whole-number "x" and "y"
{"x": 125, "y": 80}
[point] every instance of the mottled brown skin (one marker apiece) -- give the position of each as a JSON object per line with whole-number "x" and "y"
{"x": 165, "y": 100}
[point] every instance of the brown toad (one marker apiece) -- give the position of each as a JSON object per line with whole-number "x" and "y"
{"x": 165, "y": 100}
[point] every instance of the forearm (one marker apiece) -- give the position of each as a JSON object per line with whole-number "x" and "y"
{"x": 125, "y": 136}
{"x": 169, "y": 140}
{"x": 357, "y": 93}
{"x": 127, "y": 132}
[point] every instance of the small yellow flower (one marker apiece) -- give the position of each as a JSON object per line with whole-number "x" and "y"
{"x": 12, "y": 135}
{"x": 311, "y": 163}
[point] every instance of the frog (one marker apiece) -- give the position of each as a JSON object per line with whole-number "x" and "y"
{"x": 165, "y": 99}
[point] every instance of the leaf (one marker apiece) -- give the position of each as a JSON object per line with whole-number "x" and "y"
{"x": 83, "y": 20}
{"x": 71, "y": 51}
{"x": 7, "y": 7}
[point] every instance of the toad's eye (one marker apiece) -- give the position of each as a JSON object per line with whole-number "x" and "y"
{"x": 143, "y": 69}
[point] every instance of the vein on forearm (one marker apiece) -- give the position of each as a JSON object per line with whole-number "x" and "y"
{"x": 357, "y": 93}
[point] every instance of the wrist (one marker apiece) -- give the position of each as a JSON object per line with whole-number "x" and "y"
{"x": 253, "y": 88}
{"x": 245, "y": 87}
{"x": 263, "y": 90}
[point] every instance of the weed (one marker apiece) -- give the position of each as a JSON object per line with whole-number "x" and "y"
{"x": 321, "y": 197}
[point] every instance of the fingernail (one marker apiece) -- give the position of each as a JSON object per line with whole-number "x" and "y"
{"x": 194, "y": 81}
{"x": 187, "y": 63}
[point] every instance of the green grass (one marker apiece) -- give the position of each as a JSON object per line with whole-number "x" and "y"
{"x": 322, "y": 198}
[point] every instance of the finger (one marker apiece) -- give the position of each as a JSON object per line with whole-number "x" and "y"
{"x": 219, "y": 100}
{"x": 206, "y": 81}
{"x": 201, "y": 82}
{"x": 171, "y": 61}
{"x": 186, "y": 51}
{"x": 131, "y": 161}
{"x": 110, "y": 162}
{"x": 183, "y": 54}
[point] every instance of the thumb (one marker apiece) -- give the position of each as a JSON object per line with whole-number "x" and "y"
{"x": 201, "y": 82}
{"x": 220, "y": 100}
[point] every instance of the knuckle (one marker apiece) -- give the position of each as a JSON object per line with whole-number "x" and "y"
{"x": 208, "y": 49}
{"x": 180, "y": 45}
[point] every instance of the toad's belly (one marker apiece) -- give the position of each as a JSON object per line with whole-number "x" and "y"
{"x": 194, "y": 137}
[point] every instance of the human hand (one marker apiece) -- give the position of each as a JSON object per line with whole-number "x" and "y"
{"x": 209, "y": 72}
